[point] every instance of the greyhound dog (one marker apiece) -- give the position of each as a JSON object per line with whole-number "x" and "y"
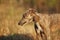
{"x": 41, "y": 23}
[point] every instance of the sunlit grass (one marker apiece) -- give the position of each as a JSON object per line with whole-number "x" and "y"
{"x": 10, "y": 15}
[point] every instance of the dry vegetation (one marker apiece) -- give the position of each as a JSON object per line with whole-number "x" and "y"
{"x": 10, "y": 14}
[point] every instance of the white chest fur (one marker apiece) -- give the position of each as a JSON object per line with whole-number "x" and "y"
{"x": 39, "y": 27}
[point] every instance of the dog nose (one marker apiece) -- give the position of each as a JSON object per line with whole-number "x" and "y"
{"x": 18, "y": 23}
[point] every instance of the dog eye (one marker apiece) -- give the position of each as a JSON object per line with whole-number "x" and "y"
{"x": 29, "y": 19}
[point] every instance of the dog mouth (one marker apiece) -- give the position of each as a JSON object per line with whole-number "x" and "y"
{"x": 21, "y": 23}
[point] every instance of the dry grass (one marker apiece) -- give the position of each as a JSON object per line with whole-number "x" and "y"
{"x": 9, "y": 18}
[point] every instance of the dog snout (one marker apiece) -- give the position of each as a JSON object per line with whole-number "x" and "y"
{"x": 19, "y": 23}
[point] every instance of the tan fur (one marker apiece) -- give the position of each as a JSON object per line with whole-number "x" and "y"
{"x": 45, "y": 20}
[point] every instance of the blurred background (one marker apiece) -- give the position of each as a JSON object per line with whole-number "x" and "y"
{"x": 11, "y": 12}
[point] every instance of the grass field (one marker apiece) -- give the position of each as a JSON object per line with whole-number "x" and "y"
{"x": 10, "y": 15}
{"x": 9, "y": 18}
